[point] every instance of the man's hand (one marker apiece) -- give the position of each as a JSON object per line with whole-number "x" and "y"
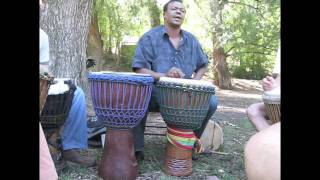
{"x": 268, "y": 83}
{"x": 175, "y": 73}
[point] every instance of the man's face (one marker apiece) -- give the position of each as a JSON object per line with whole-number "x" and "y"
{"x": 175, "y": 14}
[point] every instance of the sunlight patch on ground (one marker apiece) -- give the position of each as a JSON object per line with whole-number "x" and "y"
{"x": 233, "y": 109}
{"x": 236, "y": 94}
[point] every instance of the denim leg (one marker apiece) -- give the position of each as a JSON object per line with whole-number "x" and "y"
{"x": 212, "y": 108}
{"x": 138, "y": 134}
{"x": 74, "y": 131}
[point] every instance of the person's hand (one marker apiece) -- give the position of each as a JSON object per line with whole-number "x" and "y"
{"x": 175, "y": 73}
{"x": 268, "y": 83}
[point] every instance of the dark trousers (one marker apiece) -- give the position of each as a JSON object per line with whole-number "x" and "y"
{"x": 138, "y": 130}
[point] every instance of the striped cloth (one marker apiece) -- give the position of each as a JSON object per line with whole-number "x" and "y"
{"x": 184, "y": 139}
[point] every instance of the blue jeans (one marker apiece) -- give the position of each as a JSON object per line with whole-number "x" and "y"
{"x": 74, "y": 130}
{"x": 138, "y": 130}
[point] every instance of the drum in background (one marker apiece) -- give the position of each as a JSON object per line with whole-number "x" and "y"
{"x": 120, "y": 101}
{"x": 184, "y": 104}
{"x": 272, "y": 103}
{"x": 45, "y": 81}
{"x": 58, "y": 104}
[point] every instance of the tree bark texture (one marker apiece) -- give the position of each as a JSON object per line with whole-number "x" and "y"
{"x": 95, "y": 49}
{"x": 222, "y": 76}
{"x": 67, "y": 25}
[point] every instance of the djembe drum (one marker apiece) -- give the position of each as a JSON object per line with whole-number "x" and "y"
{"x": 272, "y": 100}
{"x": 45, "y": 81}
{"x": 58, "y": 103}
{"x": 184, "y": 104}
{"x": 55, "y": 112}
{"x": 120, "y": 101}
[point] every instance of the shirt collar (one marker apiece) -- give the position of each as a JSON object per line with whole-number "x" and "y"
{"x": 165, "y": 33}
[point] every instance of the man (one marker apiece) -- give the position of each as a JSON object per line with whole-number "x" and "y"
{"x": 169, "y": 51}
{"x": 74, "y": 133}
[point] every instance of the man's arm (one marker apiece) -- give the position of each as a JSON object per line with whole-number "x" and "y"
{"x": 199, "y": 74}
{"x": 173, "y": 72}
{"x": 155, "y": 75}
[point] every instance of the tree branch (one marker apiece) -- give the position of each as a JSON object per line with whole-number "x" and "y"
{"x": 229, "y": 50}
{"x": 248, "y": 5}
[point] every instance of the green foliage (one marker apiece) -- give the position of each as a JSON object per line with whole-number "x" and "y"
{"x": 127, "y": 53}
{"x": 253, "y": 31}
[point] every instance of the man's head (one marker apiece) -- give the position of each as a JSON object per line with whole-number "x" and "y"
{"x": 174, "y": 13}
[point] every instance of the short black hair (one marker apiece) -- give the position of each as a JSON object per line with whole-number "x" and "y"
{"x": 165, "y": 7}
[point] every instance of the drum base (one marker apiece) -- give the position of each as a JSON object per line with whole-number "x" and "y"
{"x": 118, "y": 159}
{"x": 178, "y": 162}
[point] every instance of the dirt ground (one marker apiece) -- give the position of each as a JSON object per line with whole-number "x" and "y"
{"x": 226, "y": 166}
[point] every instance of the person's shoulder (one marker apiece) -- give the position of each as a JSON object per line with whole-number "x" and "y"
{"x": 189, "y": 35}
{"x": 152, "y": 33}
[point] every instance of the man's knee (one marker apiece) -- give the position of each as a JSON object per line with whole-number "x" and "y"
{"x": 262, "y": 154}
{"x": 213, "y": 104}
{"x": 255, "y": 110}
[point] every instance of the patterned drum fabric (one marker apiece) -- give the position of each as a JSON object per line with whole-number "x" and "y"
{"x": 120, "y": 99}
{"x": 184, "y": 103}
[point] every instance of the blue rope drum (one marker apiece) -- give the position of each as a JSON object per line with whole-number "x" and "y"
{"x": 120, "y": 100}
{"x": 184, "y": 103}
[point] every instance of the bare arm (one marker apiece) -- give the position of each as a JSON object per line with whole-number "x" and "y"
{"x": 155, "y": 75}
{"x": 173, "y": 72}
{"x": 199, "y": 74}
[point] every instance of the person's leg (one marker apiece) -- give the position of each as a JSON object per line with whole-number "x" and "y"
{"x": 212, "y": 108}
{"x": 138, "y": 130}
{"x": 257, "y": 116}
{"x": 262, "y": 154}
{"x": 47, "y": 169}
{"x": 74, "y": 131}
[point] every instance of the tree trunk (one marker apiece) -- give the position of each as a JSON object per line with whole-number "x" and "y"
{"x": 224, "y": 76}
{"x": 67, "y": 25}
{"x": 95, "y": 49}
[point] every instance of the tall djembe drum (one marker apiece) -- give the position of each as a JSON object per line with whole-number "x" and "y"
{"x": 272, "y": 101}
{"x": 120, "y": 101}
{"x": 184, "y": 104}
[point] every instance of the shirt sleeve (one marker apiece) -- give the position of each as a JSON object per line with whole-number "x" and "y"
{"x": 44, "y": 47}
{"x": 143, "y": 54}
{"x": 202, "y": 60}
{"x": 276, "y": 69}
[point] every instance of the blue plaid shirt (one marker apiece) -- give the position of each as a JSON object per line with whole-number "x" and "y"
{"x": 155, "y": 52}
